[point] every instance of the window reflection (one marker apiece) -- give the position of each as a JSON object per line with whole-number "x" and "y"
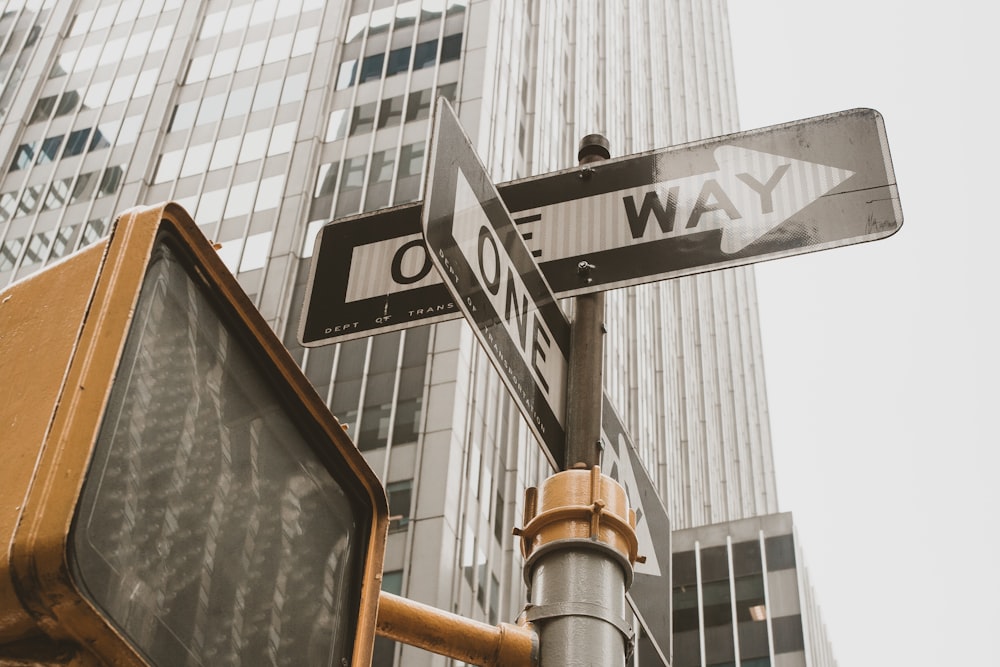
{"x": 371, "y": 67}
{"x": 58, "y": 195}
{"x": 255, "y": 251}
{"x": 29, "y": 199}
{"x": 411, "y": 160}
{"x": 77, "y": 142}
{"x": 269, "y": 193}
{"x": 196, "y": 160}
{"x": 184, "y": 116}
{"x": 50, "y": 149}
{"x": 391, "y": 112}
{"x": 425, "y": 55}
{"x": 382, "y": 166}
{"x": 294, "y": 89}
{"x": 111, "y": 180}
{"x": 129, "y": 131}
{"x": 399, "y": 61}
{"x": 225, "y": 62}
{"x": 336, "y": 128}
{"x": 239, "y": 102}
{"x": 400, "y": 500}
{"x": 345, "y": 76}
{"x": 326, "y": 180}
{"x": 278, "y": 48}
{"x": 43, "y": 109}
{"x": 84, "y": 187}
{"x": 267, "y": 95}
{"x": 240, "y": 200}
{"x": 211, "y": 109}
{"x": 168, "y": 167}
{"x": 23, "y": 156}
{"x": 8, "y": 201}
{"x": 251, "y": 56}
{"x": 198, "y": 69}
{"x": 363, "y": 118}
{"x": 254, "y": 145}
{"x": 305, "y": 41}
{"x": 353, "y": 173}
{"x": 282, "y": 139}
{"x": 210, "y": 206}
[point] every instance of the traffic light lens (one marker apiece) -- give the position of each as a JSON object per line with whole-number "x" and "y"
{"x": 209, "y": 530}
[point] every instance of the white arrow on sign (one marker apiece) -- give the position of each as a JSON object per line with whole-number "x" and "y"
{"x": 749, "y": 194}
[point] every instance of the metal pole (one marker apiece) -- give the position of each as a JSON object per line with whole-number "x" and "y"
{"x": 455, "y": 636}
{"x": 585, "y": 385}
{"x": 579, "y": 545}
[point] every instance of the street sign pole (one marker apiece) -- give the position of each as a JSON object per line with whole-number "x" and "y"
{"x": 579, "y": 539}
{"x": 585, "y": 382}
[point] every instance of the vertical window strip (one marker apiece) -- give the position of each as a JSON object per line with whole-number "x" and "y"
{"x": 767, "y": 596}
{"x": 734, "y": 621}
{"x": 701, "y": 601}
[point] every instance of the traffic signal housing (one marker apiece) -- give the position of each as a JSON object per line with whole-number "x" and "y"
{"x": 173, "y": 491}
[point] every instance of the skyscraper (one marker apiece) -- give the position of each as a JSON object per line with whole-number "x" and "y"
{"x": 268, "y": 119}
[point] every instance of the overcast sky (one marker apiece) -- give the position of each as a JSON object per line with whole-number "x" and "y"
{"x": 882, "y": 359}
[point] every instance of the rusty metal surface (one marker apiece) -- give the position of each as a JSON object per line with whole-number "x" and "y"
{"x": 40, "y": 320}
{"x": 579, "y": 505}
{"x": 455, "y": 636}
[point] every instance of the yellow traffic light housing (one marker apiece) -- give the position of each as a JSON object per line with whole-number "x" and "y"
{"x": 173, "y": 490}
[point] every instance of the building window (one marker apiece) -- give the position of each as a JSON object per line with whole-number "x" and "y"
{"x": 110, "y": 181}
{"x": 390, "y": 113}
{"x": 93, "y": 230}
{"x": 363, "y": 118}
{"x": 425, "y": 54}
{"x": 8, "y": 204}
{"x": 64, "y": 240}
{"x": 29, "y": 199}
{"x": 399, "y": 61}
{"x": 400, "y": 500}
{"x": 43, "y": 109}
{"x": 780, "y": 553}
{"x": 35, "y": 252}
{"x": 58, "y": 194}
{"x": 9, "y": 252}
{"x": 451, "y": 48}
{"x": 352, "y": 177}
{"x": 77, "y": 142}
{"x": 371, "y": 67}
{"x": 23, "y": 156}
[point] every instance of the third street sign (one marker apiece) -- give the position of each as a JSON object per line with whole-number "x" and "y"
{"x": 779, "y": 191}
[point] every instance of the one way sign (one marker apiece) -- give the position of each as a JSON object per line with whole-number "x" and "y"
{"x": 775, "y": 192}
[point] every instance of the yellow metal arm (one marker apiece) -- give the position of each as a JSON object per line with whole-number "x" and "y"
{"x": 455, "y": 636}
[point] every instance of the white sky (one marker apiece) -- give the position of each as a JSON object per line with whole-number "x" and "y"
{"x": 882, "y": 359}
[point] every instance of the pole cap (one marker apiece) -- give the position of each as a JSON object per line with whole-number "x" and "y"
{"x": 594, "y": 147}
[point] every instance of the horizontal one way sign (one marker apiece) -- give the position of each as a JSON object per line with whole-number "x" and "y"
{"x": 495, "y": 281}
{"x": 779, "y": 191}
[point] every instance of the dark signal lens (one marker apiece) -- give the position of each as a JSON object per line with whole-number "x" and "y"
{"x": 209, "y": 531}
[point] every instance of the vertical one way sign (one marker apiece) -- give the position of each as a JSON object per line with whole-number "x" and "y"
{"x": 493, "y": 278}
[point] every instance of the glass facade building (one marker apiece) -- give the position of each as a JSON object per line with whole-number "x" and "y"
{"x": 741, "y": 595}
{"x": 267, "y": 119}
